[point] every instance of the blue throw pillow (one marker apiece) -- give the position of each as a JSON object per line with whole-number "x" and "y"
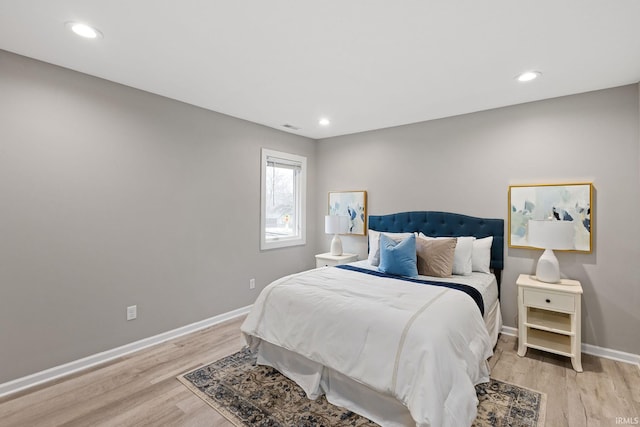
{"x": 396, "y": 258}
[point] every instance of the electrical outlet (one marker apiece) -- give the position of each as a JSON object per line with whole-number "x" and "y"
{"x": 132, "y": 312}
{"x": 252, "y": 283}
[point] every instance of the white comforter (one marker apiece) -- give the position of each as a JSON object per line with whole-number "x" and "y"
{"x": 424, "y": 345}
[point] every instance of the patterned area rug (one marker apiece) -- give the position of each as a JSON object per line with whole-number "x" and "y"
{"x": 250, "y": 395}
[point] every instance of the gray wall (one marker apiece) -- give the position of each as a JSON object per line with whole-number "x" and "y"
{"x": 112, "y": 196}
{"x": 466, "y": 163}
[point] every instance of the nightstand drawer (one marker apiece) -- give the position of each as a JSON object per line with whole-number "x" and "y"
{"x": 327, "y": 263}
{"x": 549, "y": 300}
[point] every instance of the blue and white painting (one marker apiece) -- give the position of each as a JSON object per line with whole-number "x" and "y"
{"x": 352, "y": 204}
{"x": 571, "y": 202}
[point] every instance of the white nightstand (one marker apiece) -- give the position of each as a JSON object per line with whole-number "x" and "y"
{"x": 328, "y": 260}
{"x": 549, "y": 317}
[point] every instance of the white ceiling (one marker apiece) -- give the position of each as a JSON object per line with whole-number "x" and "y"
{"x": 365, "y": 64}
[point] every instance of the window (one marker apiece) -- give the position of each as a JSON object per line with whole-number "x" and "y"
{"x": 283, "y": 199}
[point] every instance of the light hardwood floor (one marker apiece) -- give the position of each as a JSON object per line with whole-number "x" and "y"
{"x": 141, "y": 389}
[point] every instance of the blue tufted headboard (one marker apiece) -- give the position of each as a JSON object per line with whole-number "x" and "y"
{"x": 447, "y": 224}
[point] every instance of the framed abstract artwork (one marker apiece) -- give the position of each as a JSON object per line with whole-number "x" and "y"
{"x": 560, "y": 202}
{"x": 352, "y": 204}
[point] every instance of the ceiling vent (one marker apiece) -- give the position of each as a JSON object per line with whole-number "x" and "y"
{"x": 292, "y": 127}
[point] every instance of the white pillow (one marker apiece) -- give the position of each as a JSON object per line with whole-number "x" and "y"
{"x": 462, "y": 257}
{"x": 374, "y": 244}
{"x": 481, "y": 257}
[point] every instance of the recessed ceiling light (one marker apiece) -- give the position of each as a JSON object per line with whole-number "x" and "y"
{"x": 527, "y": 76}
{"x": 324, "y": 122}
{"x": 84, "y": 30}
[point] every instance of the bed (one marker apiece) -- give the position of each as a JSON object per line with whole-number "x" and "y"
{"x": 388, "y": 348}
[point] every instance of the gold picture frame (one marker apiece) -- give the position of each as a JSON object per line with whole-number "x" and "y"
{"x": 564, "y": 202}
{"x": 352, "y": 204}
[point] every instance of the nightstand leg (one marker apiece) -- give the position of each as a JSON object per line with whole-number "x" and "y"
{"x": 522, "y": 350}
{"x": 577, "y": 363}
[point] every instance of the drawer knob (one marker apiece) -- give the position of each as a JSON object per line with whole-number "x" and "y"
{"x": 548, "y": 300}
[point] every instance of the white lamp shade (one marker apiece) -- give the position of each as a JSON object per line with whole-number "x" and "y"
{"x": 551, "y": 234}
{"x": 336, "y": 224}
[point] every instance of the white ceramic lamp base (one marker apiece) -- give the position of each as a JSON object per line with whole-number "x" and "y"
{"x": 336, "y": 245}
{"x": 548, "y": 269}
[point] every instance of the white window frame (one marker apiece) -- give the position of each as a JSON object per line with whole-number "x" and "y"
{"x": 301, "y": 209}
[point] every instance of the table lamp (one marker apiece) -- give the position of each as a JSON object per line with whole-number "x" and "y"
{"x": 550, "y": 235}
{"x": 336, "y": 224}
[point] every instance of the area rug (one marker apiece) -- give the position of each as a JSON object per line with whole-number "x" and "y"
{"x": 250, "y": 395}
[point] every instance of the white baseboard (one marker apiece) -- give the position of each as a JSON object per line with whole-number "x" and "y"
{"x": 96, "y": 359}
{"x": 608, "y": 353}
{"x": 508, "y": 330}
{"x": 593, "y": 350}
